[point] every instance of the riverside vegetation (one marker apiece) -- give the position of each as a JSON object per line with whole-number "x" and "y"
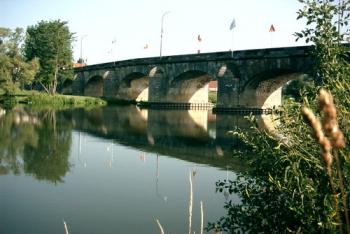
{"x": 43, "y": 101}
{"x": 41, "y": 59}
{"x": 299, "y": 175}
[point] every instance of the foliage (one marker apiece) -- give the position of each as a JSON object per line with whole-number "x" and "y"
{"x": 288, "y": 188}
{"x": 212, "y": 96}
{"x": 298, "y": 88}
{"x": 14, "y": 70}
{"x": 279, "y": 193}
{"x": 58, "y": 100}
{"x": 51, "y": 42}
{"x": 42, "y": 101}
{"x": 328, "y": 30}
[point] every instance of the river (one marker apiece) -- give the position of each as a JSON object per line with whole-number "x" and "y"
{"x": 116, "y": 169}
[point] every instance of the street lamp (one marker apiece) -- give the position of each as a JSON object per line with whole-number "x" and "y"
{"x": 161, "y": 33}
{"x": 232, "y": 27}
{"x": 81, "y": 49}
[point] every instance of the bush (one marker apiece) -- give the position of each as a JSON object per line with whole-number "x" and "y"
{"x": 292, "y": 187}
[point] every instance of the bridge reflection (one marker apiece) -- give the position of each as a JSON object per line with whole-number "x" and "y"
{"x": 39, "y": 142}
{"x": 195, "y": 135}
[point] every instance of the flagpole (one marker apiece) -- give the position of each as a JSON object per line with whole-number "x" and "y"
{"x": 114, "y": 50}
{"x": 199, "y": 39}
{"x": 232, "y": 44}
{"x": 81, "y": 48}
{"x": 271, "y": 31}
{"x": 161, "y": 33}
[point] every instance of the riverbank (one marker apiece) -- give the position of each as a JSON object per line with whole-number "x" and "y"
{"x": 36, "y": 98}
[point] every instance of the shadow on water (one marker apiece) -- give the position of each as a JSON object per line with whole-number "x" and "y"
{"x": 38, "y": 143}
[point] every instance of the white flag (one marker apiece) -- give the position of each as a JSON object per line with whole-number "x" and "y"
{"x": 233, "y": 24}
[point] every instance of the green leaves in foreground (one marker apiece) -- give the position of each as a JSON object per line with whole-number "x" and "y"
{"x": 288, "y": 188}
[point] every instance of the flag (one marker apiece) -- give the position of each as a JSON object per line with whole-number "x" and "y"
{"x": 199, "y": 38}
{"x": 233, "y": 24}
{"x": 145, "y": 46}
{"x": 272, "y": 28}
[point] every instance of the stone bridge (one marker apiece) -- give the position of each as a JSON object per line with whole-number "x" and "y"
{"x": 245, "y": 79}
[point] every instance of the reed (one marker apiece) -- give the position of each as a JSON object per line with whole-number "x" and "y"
{"x": 202, "y": 217}
{"x": 160, "y": 227}
{"x": 331, "y": 139}
{"x": 65, "y": 227}
{"x": 190, "y": 205}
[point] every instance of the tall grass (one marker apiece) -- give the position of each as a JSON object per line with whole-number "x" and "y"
{"x": 331, "y": 139}
{"x": 38, "y": 99}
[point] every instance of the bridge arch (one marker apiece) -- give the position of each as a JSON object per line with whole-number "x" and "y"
{"x": 134, "y": 87}
{"x": 67, "y": 87}
{"x": 94, "y": 86}
{"x": 189, "y": 87}
{"x": 264, "y": 90}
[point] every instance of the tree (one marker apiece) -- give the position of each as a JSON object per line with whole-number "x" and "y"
{"x": 51, "y": 42}
{"x": 14, "y": 70}
{"x": 327, "y": 28}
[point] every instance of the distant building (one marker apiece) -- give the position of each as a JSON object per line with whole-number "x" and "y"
{"x": 80, "y": 63}
{"x": 213, "y": 85}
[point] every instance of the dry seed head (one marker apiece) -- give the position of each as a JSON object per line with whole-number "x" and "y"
{"x": 339, "y": 141}
{"x": 330, "y": 111}
{"x": 314, "y": 122}
{"x": 324, "y": 98}
{"x": 330, "y": 124}
{"x": 328, "y": 158}
{"x": 318, "y": 129}
{"x": 319, "y": 135}
{"x": 308, "y": 114}
{"x": 326, "y": 144}
{"x": 326, "y": 151}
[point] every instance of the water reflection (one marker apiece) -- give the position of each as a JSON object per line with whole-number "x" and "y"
{"x": 38, "y": 143}
{"x": 122, "y": 169}
{"x": 34, "y": 143}
{"x": 196, "y": 136}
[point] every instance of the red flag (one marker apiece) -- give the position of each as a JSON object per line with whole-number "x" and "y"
{"x": 199, "y": 38}
{"x": 272, "y": 28}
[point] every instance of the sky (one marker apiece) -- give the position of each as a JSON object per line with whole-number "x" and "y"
{"x": 113, "y": 30}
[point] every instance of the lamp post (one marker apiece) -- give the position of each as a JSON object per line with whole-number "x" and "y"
{"x": 232, "y": 27}
{"x": 161, "y": 33}
{"x": 81, "y": 49}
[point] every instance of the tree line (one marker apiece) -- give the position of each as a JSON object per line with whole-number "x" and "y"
{"x": 40, "y": 57}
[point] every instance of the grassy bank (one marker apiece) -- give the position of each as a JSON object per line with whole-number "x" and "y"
{"x": 212, "y": 97}
{"x": 36, "y": 98}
